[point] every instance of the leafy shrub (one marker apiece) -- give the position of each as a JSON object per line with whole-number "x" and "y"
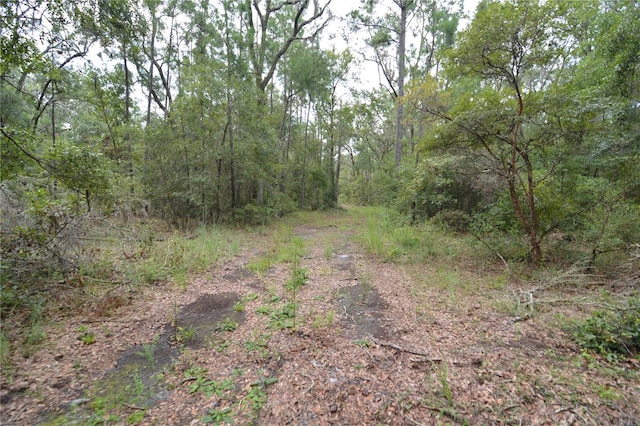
{"x": 455, "y": 220}
{"x": 612, "y": 333}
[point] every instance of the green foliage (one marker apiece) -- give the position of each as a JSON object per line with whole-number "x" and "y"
{"x": 441, "y": 184}
{"x": 209, "y": 387}
{"x": 285, "y": 249}
{"x": 259, "y": 345}
{"x": 86, "y": 336}
{"x": 34, "y": 334}
{"x": 611, "y": 333}
{"x": 256, "y": 398}
{"x": 363, "y": 343}
{"x": 238, "y": 306}
{"x": 298, "y": 278}
{"x": 444, "y": 383}
{"x": 386, "y": 234}
{"x": 283, "y": 317}
{"x": 5, "y": 352}
{"x": 184, "y": 334}
{"x": 135, "y": 418}
{"x": 326, "y": 320}
{"x": 228, "y": 325}
{"x": 218, "y": 416}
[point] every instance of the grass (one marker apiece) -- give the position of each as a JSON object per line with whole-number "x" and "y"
{"x": 383, "y": 235}
{"x": 326, "y": 320}
{"x": 444, "y": 272}
{"x": 283, "y": 247}
{"x": 142, "y": 256}
{"x": 86, "y": 336}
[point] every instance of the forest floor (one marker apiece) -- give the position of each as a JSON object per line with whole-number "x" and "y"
{"x": 362, "y": 342}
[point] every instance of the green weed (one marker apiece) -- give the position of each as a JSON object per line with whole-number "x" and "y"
{"x": 611, "y": 333}
{"x": 206, "y": 386}
{"x": 184, "y": 334}
{"x": 228, "y": 325}
{"x": 259, "y": 345}
{"x": 363, "y": 343}
{"x": 298, "y": 278}
{"x": 148, "y": 352}
{"x": 136, "y": 417}
{"x": 86, "y": 336}
{"x": 325, "y": 320}
{"x": 249, "y": 297}
{"x": 444, "y": 383}
{"x": 283, "y": 317}
{"x": 218, "y": 416}
{"x": 35, "y": 334}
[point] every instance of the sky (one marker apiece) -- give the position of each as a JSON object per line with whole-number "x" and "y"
{"x": 366, "y": 72}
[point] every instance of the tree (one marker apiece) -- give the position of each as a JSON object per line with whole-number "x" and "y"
{"x": 495, "y": 106}
{"x": 271, "y": 29}
{"x": 435, "y": 26}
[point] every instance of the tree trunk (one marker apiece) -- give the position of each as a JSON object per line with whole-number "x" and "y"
{"x": 404, "y": 5}
{"x": 529, "y": 220}
{"x": 127, "y": 113}
{"x": 304, "y": 158}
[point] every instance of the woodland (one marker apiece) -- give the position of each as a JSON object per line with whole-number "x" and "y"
{"x": 138, "y": 139}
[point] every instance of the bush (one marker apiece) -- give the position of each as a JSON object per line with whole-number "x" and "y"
{"x": 612, "y": 333}
{"x": 455, "y": 220}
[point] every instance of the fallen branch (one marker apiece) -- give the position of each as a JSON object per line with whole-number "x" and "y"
{"x": 426, "y": 358}
{"x": 312, "y": 383}
{"x": 133, "y": 407}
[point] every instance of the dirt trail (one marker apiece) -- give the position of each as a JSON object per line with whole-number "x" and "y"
{"x": 371, "y": 345}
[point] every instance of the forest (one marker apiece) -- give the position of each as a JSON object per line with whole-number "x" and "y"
{"x": 134, "y": 135}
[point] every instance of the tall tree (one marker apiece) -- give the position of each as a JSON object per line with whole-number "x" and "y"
{"x": 272, "y": 26}
{"x": 503, "y": 116}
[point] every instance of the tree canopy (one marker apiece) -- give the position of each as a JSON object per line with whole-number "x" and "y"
{"x": 526, "y": 121}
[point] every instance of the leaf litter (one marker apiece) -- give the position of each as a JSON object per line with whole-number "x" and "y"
{"x": 372, "y": 344}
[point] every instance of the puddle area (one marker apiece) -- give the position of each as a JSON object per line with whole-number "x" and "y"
{"x": 365, "y": 310}
{"x": 137, "y": 380}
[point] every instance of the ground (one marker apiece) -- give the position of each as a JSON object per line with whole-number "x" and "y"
{"x": 362, "y": 342}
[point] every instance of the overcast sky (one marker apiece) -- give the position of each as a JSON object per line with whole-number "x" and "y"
{"x": 334, "y": 35}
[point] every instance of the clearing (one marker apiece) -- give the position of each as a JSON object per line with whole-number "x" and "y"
{"x": 444, "y": 340}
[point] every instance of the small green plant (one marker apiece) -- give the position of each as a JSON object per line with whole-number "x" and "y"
{"x": 238, "y": 306}
{"x": 184, "y": 334}
{"x": 325, "y": 320}
{"x": 218, "y": 416}
{"x": 35, "y": 334}
{"x": 256, "y": 398}
{"x": 249, "y": 297}
{"x": 264, "y": 310}
{"x": 327, "y": 252}
{"x": 258, "y": 345}
{"x": 228, "y": 325}
{"x": 363, "y": 343}
{"x": 137, "y": 388}
{"x": 136, "y": 417}
{"x": 5, "y": 351}
{"x": 283, "y": 317}
{"x": 148, "y": 352}
{"x": 611, "y": 333}
{"x": 608, "y": 393}
{"x": 208, "y": 387}
{"x": 274, "y": 298}
{"x": 444, "y": 383}
{"x": 86, "y": 336}
{"x": 298, "y": 278}
{"x": 222, "y": 345}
